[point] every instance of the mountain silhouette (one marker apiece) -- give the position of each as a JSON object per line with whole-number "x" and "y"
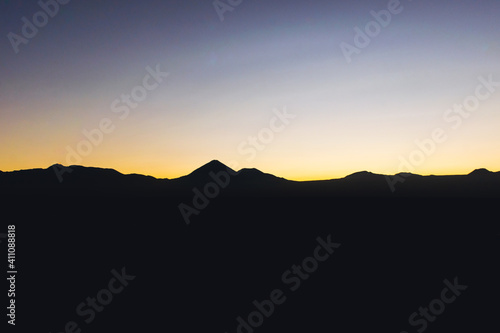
{"x": 212, "y": 166}
{"x": 202, "y": 174}
{"x": 481, "y": 172}
{"x": 81, "y": 180}
{"x": 236, "y": 246}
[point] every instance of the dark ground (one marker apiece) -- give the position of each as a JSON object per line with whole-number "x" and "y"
{"x": 396, "y": 250}
{"x": 393, "y": 259}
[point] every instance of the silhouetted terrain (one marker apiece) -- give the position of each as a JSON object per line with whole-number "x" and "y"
{"x": 393, "y": 258}
{"x": 78, "y": 180}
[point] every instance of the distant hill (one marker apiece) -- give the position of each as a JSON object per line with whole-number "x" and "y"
{"x": 217, "y": 178}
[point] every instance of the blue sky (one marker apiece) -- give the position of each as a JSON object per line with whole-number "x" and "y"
{"x": 226, "y": 78}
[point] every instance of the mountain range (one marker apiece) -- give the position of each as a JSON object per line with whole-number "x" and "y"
{"x": 215, "y": 178}
{"x": 207, "y": 261}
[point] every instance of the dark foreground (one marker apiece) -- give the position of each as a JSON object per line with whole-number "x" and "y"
{"x": 111, "y": 264}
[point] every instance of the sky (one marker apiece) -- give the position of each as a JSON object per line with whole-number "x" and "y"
{"x": 300, "y": 89}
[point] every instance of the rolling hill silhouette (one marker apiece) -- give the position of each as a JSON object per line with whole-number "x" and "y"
{"x": 81, "y": 180}
{"x": 203, "y": 275}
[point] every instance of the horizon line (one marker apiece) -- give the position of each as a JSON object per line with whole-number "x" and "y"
{"x": 302, "y": 180}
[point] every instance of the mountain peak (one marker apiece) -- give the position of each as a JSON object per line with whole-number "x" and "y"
{"x": 216, "y": 163}
{"x": 252, "y": 171}
{"x": 214, "y": 166}
{"x": 56, "y": 165}
{"x": 361, "y": 175}
{"x": 480, "y": 172}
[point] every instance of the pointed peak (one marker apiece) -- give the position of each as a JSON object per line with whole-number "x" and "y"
{"x": 216, "y": 163}
{"x": 214, "y": 166}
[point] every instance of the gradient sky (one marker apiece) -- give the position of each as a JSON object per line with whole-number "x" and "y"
{"x": 226, "y": 78}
